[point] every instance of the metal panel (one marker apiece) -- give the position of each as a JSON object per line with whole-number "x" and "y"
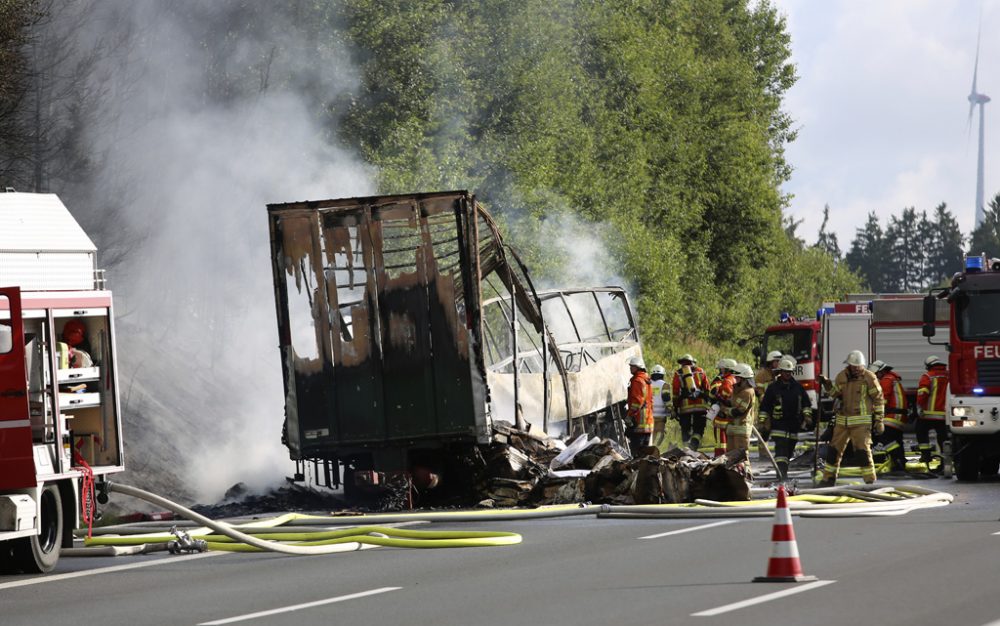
{"x": 47, "y": 271}
{"x": 906, "y": 311}
{"x": 39, "y": 222}
{"x": 988, "y": 372}
{"x": 904, "y": 348}
{"x": 843, "y": 332}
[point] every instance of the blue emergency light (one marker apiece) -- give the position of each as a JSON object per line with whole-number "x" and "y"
{"x": 974, "y": 264}
{"x": 978, "y": 390}
{"x": 785, "y": 317}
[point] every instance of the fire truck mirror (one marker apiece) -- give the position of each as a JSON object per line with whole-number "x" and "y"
{"x": 930, "y": 314}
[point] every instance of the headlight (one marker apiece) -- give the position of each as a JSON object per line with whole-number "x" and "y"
{"x": 959, "y": 411}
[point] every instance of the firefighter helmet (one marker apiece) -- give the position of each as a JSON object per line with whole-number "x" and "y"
{"x": 786, "y": 364}
{"x": 857, "y": 358}
{"x": 878, "y": 365}
{"x": 773, "y": 355}
{"x": 727, "y": 364}
{"x": 687, "y": 357}
{"x": 636, "y": 361}
{"x": 74, "y": 332}
{"x": 659, "y": 369}
{"x": 931, "y": 361}
{"x": 744, "y": 371}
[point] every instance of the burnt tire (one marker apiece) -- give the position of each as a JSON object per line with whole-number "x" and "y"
{"x": 40, "y": 553}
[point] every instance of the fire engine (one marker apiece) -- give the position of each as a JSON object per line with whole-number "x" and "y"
{"x": 60, "y": 426}
{"x": 883, "y": 326}
{"x": 973, "y": 345}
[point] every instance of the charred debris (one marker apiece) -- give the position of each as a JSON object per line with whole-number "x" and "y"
{"x": 416, "y": 352}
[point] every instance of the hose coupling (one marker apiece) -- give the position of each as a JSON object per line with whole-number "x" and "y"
{"x": 184, "y": 542}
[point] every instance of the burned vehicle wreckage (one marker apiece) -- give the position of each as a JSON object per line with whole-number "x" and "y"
{"x": 415, "y": 348}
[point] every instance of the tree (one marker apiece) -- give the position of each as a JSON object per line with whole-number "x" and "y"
{"x": 944, "y": 246}
{"x": 986, "y": 238}
{"x": 868, "y": 253}
{"x": 828, "y": 241}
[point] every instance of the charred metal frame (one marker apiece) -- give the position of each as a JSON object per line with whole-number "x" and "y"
{"x": 382, "y": 329}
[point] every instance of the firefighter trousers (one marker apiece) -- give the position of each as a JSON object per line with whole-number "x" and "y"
{"x": 784, "y": 447}
{"x": 638, "y": 442}
{"x": 860, "y": 437}
{"x": 892, "y": 443}
{"x": 923, "y": 429}
{"x": 693, "y": 425}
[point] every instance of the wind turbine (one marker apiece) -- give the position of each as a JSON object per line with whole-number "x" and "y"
{"x": 981, "y": 99}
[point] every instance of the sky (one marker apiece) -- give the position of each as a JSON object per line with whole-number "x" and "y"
{"x": 882, "y": 112}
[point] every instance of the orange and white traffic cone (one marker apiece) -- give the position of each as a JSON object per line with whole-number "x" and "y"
{"x": 784, "y": 565}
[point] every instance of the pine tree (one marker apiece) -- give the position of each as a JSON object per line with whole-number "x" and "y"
{"x": 944, "y": 246}
{"x": 867, "y": 252}
{"x": 828, "y": 241}
{"x": 986, "y": 238}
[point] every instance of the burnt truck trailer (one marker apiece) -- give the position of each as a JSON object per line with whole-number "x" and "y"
{"x": 408, "y": 329}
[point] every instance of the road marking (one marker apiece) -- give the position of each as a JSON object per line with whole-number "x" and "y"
{"x": 307, "y": 605}
{"x": 104, "y": 570}
{"x": 690, "y": 529}
{"x": 764, "y": 598}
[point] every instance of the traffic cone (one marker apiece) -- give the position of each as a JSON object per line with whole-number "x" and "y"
{"x": 784, "y": 565}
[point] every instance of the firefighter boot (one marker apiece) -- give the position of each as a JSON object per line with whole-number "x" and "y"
{"x": 925, "y": 455}
{"x": 695, "y": 443}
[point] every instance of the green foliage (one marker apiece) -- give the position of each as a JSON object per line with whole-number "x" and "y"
{"x": 986, "y": 238}
{"x": 658, "y": 120}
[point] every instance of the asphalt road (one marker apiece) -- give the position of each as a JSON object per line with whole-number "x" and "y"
{"x": 929, "y": 567}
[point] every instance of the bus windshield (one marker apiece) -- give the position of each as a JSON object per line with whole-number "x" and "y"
{"x": 797, "y": 343}
{"x": 978, "y": 315}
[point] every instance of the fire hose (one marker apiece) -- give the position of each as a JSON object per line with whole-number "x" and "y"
{"x": 306, "y": 543}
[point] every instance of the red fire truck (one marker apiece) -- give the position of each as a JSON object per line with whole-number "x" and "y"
{"x": 883, "y": 326}
{"x": 973, "y": 345}
{"x": 60, "y": 430}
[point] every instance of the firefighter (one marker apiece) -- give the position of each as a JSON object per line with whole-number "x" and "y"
{"x": 720, "y": 391}
{"x": 931, "y": 396}
{"x": 861, "y": 414}
{"x": 765, "y": 376}
{"x": 640, "y": 406}
{"x": 690, "y": 400}
{"x": 741, "y": 412}
{"x": 895, "y": 413}
{"x": 661, "y": 402}
{"x": 784, "y": 411}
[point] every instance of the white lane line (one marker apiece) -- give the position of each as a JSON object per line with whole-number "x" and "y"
{"x": 289, "y": 609}
{"x": 762, "y": 599}
{"x": 690, "y": 529}
{"x": 105, "y": 570}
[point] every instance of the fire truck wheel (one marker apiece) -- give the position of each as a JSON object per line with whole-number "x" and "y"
{"x": 40, "y": 553}
{"x": 966, "y": 461}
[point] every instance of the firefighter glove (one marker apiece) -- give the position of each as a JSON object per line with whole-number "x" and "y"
{"x": 878, "y": 427}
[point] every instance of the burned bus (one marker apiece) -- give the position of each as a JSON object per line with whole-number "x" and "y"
{"x": 408, "y": 329}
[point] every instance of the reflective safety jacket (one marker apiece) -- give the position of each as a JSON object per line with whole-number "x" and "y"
{"x": 721, "y": 392}
{"x": 640, "y": 402}
{"x": 661, "y": 396}
{"x": 861, "y": 399}
{"x": 684, "y": 400}
{"x": 784, "y": 407}
{"x": 741, "y": 413}
{"x": 762, "y": 379}
{"x": 932, "y": 392}
{"x": 895, "y": 399}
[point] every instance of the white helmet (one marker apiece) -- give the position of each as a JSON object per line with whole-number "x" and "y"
{"x": 932, "y": 360}
{"x": 659, "y": 369}
{"x": 727, "y": 364}
{"x": 878, "y": 365}
{"x": 786, "y": 364}
{"x": 688, "y": 358}
{"x": 744, "y": 371}
{"x": 773, "y": 355}
{"x": 856, "y": 357}
{"x": 636, "y": 361}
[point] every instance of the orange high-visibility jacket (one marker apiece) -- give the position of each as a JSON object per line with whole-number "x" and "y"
{"x": 640, "y": 402}
{"x": 895, "y": 399}
{"x": 932, "y": 392}
{"x": 682, "y": 400}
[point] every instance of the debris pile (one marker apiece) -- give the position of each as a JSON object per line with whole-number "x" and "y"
{"x": 526, "y": 468}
